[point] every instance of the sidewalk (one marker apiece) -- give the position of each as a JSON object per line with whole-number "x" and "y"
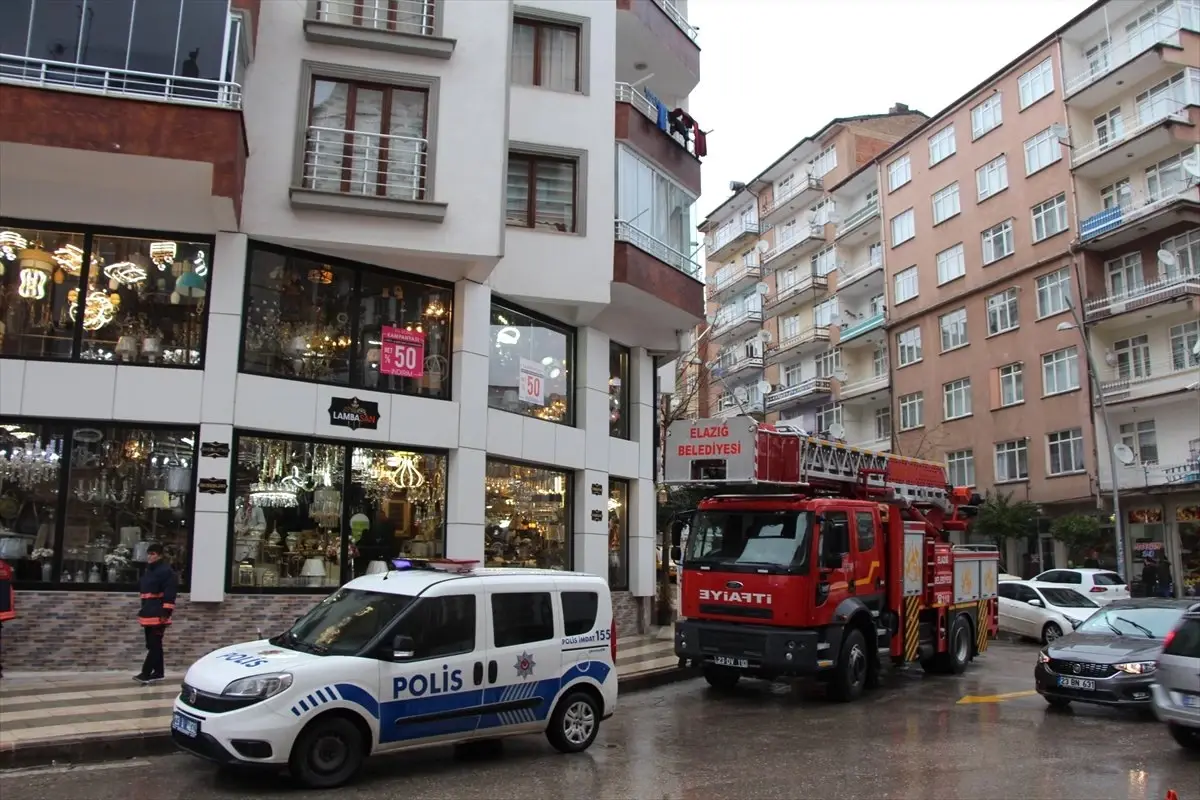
{"x": 93, "y": 716}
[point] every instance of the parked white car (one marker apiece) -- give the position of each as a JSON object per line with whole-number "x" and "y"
{"x": 1102, "y": 585}
{"x": 1041, "y": 612}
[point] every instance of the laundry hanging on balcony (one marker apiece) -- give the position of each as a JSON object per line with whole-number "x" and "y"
{"x": 661, "y": 108}
{"x": 684, "y": 124}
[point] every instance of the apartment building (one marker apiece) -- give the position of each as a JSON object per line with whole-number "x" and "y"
{"x": 299, "y": 288}
{"x": 795, "y": 283}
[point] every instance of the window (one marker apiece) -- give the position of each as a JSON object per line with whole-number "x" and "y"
{"x": 960, "y": 467}
{"x": 992, "y": 177}
{"x": 908, "y": 346}
{"x": 618, "y": 534}
{"x": 546, "y": 55}
{"x": 1124, "y": 275}
{"x": 912, "y": 411}
{"x": 1060, "y": 371}
{"x": 828, "y": 363}
{"x": 143, "y": 299}
{"x": 998, "y": 242}
{"x": 1002, "y": 311}
{"x": 541, "y": 192}
{"x": 1140, "y": 438}
{"x": 824, "y": 161}
{"x": 1036, "y": 83}
{"x": 793, "y": 375}
{"x": 439, "y": 626}
{"x": 527, "y": 516}
{"x": 903, "y": 227}
{"x": 1049, "y": 217}
{"x": 864, "y": 522}
{"x": 824, "y": 313}
{"x": 906, "y": 284}
{"x": 879, "y": 361}
{"x": 1065, "y": 451}
{"x": 1054, "y": 292}
{"x": 579, "y": 612}
{"x": 954, "y": 329}
{"x": 883, "y": 424}
{"x": 521, "y": 618}
{"x": 956, "y": 399}
{"x": 986, "y": 116}
{"x": 945, "y": 203}
{"x": 313, "y": 319}
{"x": 1186, "y": 249}
{"x": 619, "y": 407}
{"x": 1109, "y": 128}
{"x": 530, "y": 366}
{"x": 1132, "y": 357}
{"x": 951, "y": 264}
{"x": 822, "y": 212}
{"x": 789, "y": 328}
{"x": 824, "y": 262}
{"x": 1041, "y": 151}
{"x": 1012, "y": 384}
{"x": 941, "y": 145}
{"x": 828, "y": 416}
{"x": 1012, "y": 460}
{"x": 1183, "y": 345}
{"x": 1116, "y": 194}
{"x": 652, "y": 203}
{"x": 366, "y": 139}
{"x": 899, "y": 173}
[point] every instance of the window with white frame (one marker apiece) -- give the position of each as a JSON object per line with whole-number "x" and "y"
{"x": 828, "y": 363}
{"x": 824, "y": 313}
{"x": 1036, "y": 83}
{"x": 986, "y": 116}
{"x": 899, "y": 173}
{"x": 1116, "y": 194}
{"x": 1163, "y": 98}
{"x": 822, "y": 212}
{"x": 954, "y": 329}
{"x": 1167, "y": 178}
{"x": 960, "y": 467}
{"x": 1041, "y": 150}
{"x": 956, "y": 399}
{"x": 879, "y": 362}
{"x": 1097, "y": 57}
{"x": 908, "y": 347}
{"x": 1012, "y": 460}
{"x": 912, "y": 411}
{"x": 1002, "y": 311}
{"x": 903, "y": 227}
{"x": 1109, "y": 127}
{"x": 824, "y": 161}
{"x": 793, "y": 374}
{"x": 1124, "y": 275}
{"x": 951, "y": 264}
{"x": 1054, "y": 292}
{"x": 883, "y": 423}
{"x": 945, "y": 203}
{"x": 1186, "y": 249}
{"x": 827, "y": 415}
{"x": 750, "y": 258}
{"x": 786, "y": 278}
{"x": 1141, "y": 439}
{"x": 875, "y": 253}
{"x": 789, "y": 327}
{"x": 905, "y": 285}
{"x": 1183, "y": 345}
{"x": 998, "y": 242}
{"x": 1012, "y": 384}
{"x": 1049, "y": 217}
{"x": 1060, "y": 371}
{"x": 992, "y": 177}
{"x": 783, "y": 187}
{"x": 824, "y": 261}
{"x": 876, "y": 305}
{"x": 1065, "y": 452}
{"x": 1132, "y": 357}
{"x": 942, "y": 145}
{"x": 752, "y": 347}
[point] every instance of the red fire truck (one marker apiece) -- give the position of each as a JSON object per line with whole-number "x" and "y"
{"x": 845, "y": 570}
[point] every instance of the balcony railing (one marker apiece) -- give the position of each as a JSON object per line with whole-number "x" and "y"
{"x": 862, "y": 386}
{"x": 860, "y": 216}
{"x": 722, "y": 370}
{"x": 626, "y": 93}
{"x": 1136, "y": 207}
{"x": 111, "y": 82}
{"x": 803, "y": 184}
{"x": 643, "y": 241}
{"x": 397, "y": 16}
{"x": 753, "y": 405}
{"x": 727, "y": 323}
{"x": 732, "y": 279}
{"x": 730, "y": 232}
{"x": 1167, "y": 288}
{"x": 807, "y": 283}
{"x": 862, "y": 326}
{"x": 1150, "y": 474}
{"x": 678, "y": 18}
{"x": 1146, "y": 377}
{"x": 858, "y": 273}
{"x": 806, "y": 337}
{"x": 807, "y": 233}
{"x": 1164, "y": 27}
{"x": 1132, "y": 125}
{"x": 788, "y": 394}
{"x": 365, "y": 164}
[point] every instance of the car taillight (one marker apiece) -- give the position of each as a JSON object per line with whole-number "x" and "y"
{"x": 612, "y": 641}
{"x": 1098, "y": 589}
{"x": 1167, "y": 639}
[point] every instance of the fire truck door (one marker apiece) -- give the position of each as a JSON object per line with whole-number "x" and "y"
{"x": 836, "y": 558}
{"x": 867, "y": 580}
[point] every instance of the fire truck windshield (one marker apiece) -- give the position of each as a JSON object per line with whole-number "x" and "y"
{"x": 751, "y": 539}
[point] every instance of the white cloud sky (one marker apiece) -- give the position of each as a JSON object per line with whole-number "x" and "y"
{"x": 774, "y": 71}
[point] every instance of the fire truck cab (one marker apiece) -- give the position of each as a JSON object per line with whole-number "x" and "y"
{"x": 837, "y": 564}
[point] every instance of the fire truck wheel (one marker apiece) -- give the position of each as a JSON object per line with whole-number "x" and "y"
{"x": 958, "y": 654}
{"x": 721, "y": 677}
{"x": 850, "y": 677}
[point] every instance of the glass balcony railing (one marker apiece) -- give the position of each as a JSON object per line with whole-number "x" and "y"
{"x": 1164, "y": 26}
{"x": 862, "y": 326}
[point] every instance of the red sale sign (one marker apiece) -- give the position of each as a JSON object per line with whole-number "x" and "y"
{"x": 402, "y": 352}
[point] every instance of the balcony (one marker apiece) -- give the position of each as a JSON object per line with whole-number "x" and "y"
{"x": 1149, "y": 379}
{"x": 863, "y": 389}
{"x": 859, "y": 218}
{"x": 1139, "y": 137}
{"x": 749, "y": 319}
{"x": 637, "y": 125}
{"x": 1138, "y": 297}
{"x": 807, "y": 340}
{"x": 726, "y": 241}
{"x": 411, "y": 27}
{"x": 872, "y": 442}
{"x": 1184, "y": 475}
{"x": 654, "y": 280}
{"x": 865, "y": 279}
{"x": 739, "y": 367}
{"x": 731, "y": 283}
{"x": 753, "y": 405}
{"x": 655, "y": 33}
{"x": 806, "y": 391}
{"x": 795, "y": 199}
{"x": 788, "y": 248}
{"x": 868, "y": 330}
{"x": 789, "y": 298}
{"x": 1113, "y": 227}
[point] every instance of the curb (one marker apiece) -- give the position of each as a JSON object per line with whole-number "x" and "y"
{"x": 652, "y": 679}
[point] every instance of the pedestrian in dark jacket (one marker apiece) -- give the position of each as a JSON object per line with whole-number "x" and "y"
{"x": 157, "y": 586}
{"x": 1149, "y": 577}
{"x": 8, "y": 600}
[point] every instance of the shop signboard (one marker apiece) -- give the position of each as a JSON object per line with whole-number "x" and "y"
{"x": 531, "y": 386}
{"x": 214, "y": 450}
{"x": 402, "y": 352}
{"x": 213, "y": 486}
{"x": 352, "y": 413}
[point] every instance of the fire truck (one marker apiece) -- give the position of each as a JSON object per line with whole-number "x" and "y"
{"x": 831, "y": 562}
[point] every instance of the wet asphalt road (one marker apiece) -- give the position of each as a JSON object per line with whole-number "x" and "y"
{"x": 911, "y": 739}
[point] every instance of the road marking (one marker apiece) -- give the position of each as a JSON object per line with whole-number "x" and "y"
{"x": 995, "y": 698}
{"x": 15, "y": 773}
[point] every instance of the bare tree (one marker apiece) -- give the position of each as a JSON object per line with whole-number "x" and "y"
{"x": 692, "y": 377}
{"x": 932, "y": 438}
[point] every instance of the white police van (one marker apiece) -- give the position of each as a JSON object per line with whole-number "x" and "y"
{"x": 431, "y": 652}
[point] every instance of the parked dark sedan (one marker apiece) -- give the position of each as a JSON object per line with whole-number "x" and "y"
{"x": 1109, "y": 659}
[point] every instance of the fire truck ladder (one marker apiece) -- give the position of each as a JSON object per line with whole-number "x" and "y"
{"x": 883, "y": 474}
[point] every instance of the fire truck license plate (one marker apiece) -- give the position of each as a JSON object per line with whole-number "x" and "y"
{"x": 1077, "y": 683}
{"x": 727, "y": 661}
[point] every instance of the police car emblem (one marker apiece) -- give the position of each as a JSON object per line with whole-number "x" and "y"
{"x": 191, "y": 695}
{"x": 525, "y": 665}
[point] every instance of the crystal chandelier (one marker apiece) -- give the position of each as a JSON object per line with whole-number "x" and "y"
{"x": 31, "y": 465}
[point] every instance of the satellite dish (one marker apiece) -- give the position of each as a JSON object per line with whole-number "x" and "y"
{"x": 741, "y": 394}
{"x": 761, "y": 288}
{"x": 1167, "y": 258}
{"x": 764, "y": 336}
{"x": 837, "y": 430}
{"x": 764, "y": 387}
{"x": 763, "y": 246}
{"x": 1124, "y": 453}
{"x": 1059, "y": 130}
{"x": 841, "y": 376}
{"x": 1191, "y": 168}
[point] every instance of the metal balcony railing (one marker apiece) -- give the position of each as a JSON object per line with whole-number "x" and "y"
{"x": 677, "y": 17}
{"x": 398, "y": 16}
{"x": 1138, "y": 371}
{"x": 863, "y": 385}
{"x": 806, "y": 283}
{"x": 625, "y": 232}
{"x": 805, "y": 233}
{"x": 626, "y": 93}
{"x": 1154, "y": 474}
{"x": 858, "y": 273}
{"x": 732, "y": 279}
{"x": 860, "y": 216}
{"x": 1131, "y": 125}
{"x": 1164, "y": 27}
{"x": 803, "y": 184}
{"x": 111, "y": 82}
{"x": 1165, "y": 288}
{"x": 365, "y": 164}
{"x": 729, "y": 232}
{"x": 1135, "y": 206}
{"x": 801, "y": 389}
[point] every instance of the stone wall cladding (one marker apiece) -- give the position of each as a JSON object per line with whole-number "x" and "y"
{"x": 631, "y": 613}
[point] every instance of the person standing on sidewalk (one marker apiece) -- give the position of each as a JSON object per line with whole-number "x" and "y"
{"x": 8, "y": 605}
{"x": 157, "y": 586}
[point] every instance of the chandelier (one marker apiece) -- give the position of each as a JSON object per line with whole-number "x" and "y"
{"x": 272, "y": 495}
{"x": 31, "y": 465}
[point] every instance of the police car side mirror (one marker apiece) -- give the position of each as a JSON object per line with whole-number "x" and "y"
{"x": 403, "y": 648}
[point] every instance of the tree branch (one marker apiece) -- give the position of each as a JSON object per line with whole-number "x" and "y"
{"x": 927, "y": 436}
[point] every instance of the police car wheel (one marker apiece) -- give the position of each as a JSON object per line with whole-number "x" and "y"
{"x": 328, "y": 753}
{"x": 574, "y": 724}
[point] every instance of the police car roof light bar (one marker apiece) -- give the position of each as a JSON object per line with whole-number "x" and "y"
{"x": 456, "y": 565}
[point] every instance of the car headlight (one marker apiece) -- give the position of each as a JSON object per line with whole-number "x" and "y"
{"x": 1043, "y": 658}
{"x": 1075, "y": 623}
{"x": 259, "y": 686}
{"x": 1137, "y": 667}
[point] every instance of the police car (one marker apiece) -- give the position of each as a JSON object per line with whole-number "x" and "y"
{"x": 431, "y": 652}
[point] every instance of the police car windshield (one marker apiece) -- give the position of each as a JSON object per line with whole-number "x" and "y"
{"x": 750, "y": 538}
{"x": 343, "y": 623}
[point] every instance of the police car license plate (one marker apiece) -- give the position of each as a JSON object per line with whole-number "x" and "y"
{"x": 186, "y": 725}
{"x": 1077, "y": 683}
{"x": 727, "y": 661}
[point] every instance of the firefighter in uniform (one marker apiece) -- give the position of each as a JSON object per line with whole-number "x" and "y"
{"x": 157, "y": 586}
{"x": 8, "y": 605}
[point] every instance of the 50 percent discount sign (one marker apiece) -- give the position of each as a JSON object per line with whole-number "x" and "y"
{"x": 531, "y": 388}
{"x": 402, "y": 352}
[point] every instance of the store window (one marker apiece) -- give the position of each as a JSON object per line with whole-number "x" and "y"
{"x": 1187, "y": 520}
{"x": 618, "y": 534}
{"x": 529, "y": 370}
{"x": 314, "y": 515}
{"x": 143, "y": 300}
{"x": 81, "y": 503}
{"x": 619, "y": 409}
{"x": 527, "y": 516}
{"x": 346, "y": 325}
